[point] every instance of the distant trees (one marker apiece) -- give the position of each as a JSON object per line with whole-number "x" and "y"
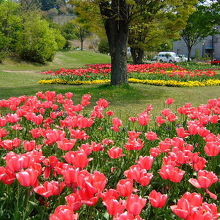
{"x": 27, "y": 34}
{"x": 47, "y": 5}
{"x": 77, "y": 29}
{"x": 201, "y": 24}
{"x": 30, "y": 5}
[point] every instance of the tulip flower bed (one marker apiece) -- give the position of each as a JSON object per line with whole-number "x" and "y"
{"x": 215, "y": 62}
{"x": 169, "y": 74}
{"x": 199, "y": 66}
{"x": 58, "y": 161}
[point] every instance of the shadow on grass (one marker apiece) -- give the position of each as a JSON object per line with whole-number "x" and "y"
{"x": 117, "y": 95}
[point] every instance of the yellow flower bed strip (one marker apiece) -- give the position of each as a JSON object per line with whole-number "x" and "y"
{"x": 209, "y": 82}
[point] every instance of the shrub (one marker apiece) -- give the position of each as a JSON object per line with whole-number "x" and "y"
{"x": 59, "y": 38}
{"x": 10, "y": 26}
{"x": 38, "y": 42}
{"x": 104, "y": 46}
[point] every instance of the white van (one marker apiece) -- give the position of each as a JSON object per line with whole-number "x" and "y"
{"x": 168, "y": 57}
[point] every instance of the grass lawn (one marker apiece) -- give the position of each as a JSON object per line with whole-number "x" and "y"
{"x": 66, "y": 59}
{"x": 21, "y": 79}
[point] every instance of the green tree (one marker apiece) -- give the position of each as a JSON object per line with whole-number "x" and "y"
{"x": 10, "y": 26}
{"x": 37, "y": 42}
{"x": 153, "y": 31}
{"x": 68, "y": 31}
{"x": 76, "y": 29}
{"x": 30, "y": 5}
{"x": 118, "y": 16}
{"x": 82, "y": 31}
{"x": 201, "y": 24}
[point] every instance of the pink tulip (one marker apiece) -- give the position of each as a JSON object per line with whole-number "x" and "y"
{"x": 171, "y": 173}
{"x": 135, "y": 204}
{"x": 27, "y": 178}
{"x": 64, "y": 212}
{"x": 125, "y": 187}
{"x": 151, "y": 136}
{"x": 205, "y": 179}
{"x": 169, "y": 101}
{"x": 146, "y": 162}
{"x": 157, "y": 199}
{"x": 116, "y": 152}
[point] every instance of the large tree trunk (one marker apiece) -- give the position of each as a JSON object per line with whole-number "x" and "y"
{"x": 189, "y": 53}
{"x": 137, "y": 55}
{"x": 117, "y": 34}
{"x": 81, "y": 42}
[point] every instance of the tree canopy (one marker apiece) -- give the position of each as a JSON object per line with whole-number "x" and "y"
{"x": 201, "y": 23}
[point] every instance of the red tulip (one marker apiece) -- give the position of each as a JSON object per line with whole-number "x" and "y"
{"x": 86, "y": 100}
{"x": 30, "y": 145}
{"x": 146, "y": 162}
{"x": 205, "y": 179}
{"x": 135, "y": 204}
{"x": 64, "y": 212}
{"x": 199, "y": 163}
{"x": 134, "y": 144}
{"x": 155, "y": 151}
{"x": 103, "y": 103}
{"x": 66, "y": 144}
{"x": 160, "y": 120}
{"x": 74, "y": 201}
{"x": 54, "y": 135}
{"x": 181, "y": 132}
{"x": 110, "y": 194}
{"x": 117, "y": 123}
{"x": 114, "y": 207}
{"x": 110, "y": 113}
{"x": 157, "y": 199}
{"x": 144, "y": 119}
{"x": 87, "y": 198}
{"x": 192, "y": 207}
{"x": 79, "y": 134}
{"x": 212, "y": 149}
{"x": 69, "y": 95}
{"x": 151, "y": 136}
{"x": 139, "y": 175}
{"x": 98, "y": 180}
{"x": 7, "y": 176}
{"x": 16, "y": 162}
{"x": 171, "y": 173}
{"x": 77, "y": 158}
{"x": 125, "y": 187}
{"x": 116, "y": 152}
{"x": 28, "y": 177}
{"x": 170, "y": 101}
{"x": 48, "y": 189}
{"x": 3, "y": 132}
{"x": 134, "y": 135}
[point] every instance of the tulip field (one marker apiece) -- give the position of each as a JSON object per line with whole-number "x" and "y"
{"x": 60, "y": 160}
{"x": 168, "y": 74}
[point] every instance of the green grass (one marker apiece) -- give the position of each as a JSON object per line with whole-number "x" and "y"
{"x": 66, "y": 59}
{"x": 125, "y": 100}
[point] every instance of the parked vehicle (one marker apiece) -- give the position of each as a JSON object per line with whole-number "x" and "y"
{"x": 167, "y": 57}
{"x": 183, "y": 58}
